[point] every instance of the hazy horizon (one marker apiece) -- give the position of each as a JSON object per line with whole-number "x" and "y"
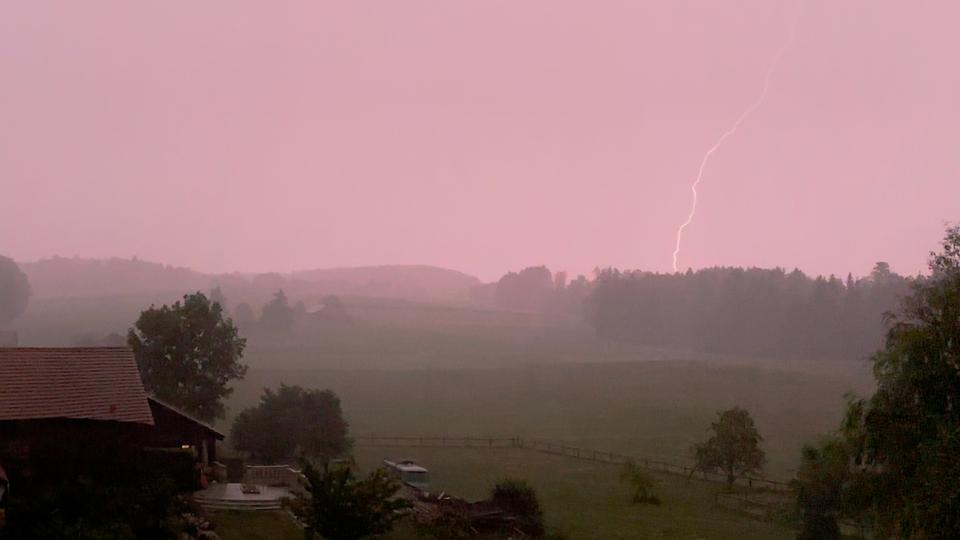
{"x": 242, "y": 138}
{"x": 494, "y": 277}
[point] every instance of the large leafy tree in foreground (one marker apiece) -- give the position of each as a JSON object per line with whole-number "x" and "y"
{"x": 14, "y": 290}
{"x": 906, "y": 437}
{"x": 734, "y": 447}
{"x": 188, "y": 354}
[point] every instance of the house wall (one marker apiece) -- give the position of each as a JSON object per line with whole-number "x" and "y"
{"x": 64, "y": 447}
{"x": 172, "y": 430}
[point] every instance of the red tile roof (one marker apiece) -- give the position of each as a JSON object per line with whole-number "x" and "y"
{"x": 96, "y": 383}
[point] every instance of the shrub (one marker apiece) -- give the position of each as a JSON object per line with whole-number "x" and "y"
{"x": 641, "y": 483}
{"x": 520, "y": 499}
{"x": 342, "y": 507}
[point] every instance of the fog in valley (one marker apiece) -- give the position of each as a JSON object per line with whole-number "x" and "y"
{"x": 422, "y": 271}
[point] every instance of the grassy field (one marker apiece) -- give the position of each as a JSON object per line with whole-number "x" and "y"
{"x": 584, "y": 500}
{"x": 581, "y": 499}
{"x": 648, "y": 409}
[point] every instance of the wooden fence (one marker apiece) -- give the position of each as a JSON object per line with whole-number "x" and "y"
{"x": 560, "y": 449}
{"x": 440, "y": 442}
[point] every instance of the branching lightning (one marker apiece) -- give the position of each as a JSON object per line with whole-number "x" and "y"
{"x": 728, "y": 133}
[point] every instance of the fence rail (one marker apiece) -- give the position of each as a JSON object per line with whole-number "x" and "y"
{"x": 440, "y": 442}
{"x": 560, "y": 449}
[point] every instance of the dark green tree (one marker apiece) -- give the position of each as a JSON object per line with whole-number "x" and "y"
{"x": 734, "y": 447}
{"x": 532, "y": 289}
{"x": 823, "y": 474}
{"x": 14, "y": 290}
{"x": 217, "y": 297}
{"x": 907, "y": 435}
{"x": 292, "y": 421}
{"x": 188, "y": 354}
{"x": 277, "y": 314}
{"x": 518, "y": 498}
{"x": 340, "y": 506}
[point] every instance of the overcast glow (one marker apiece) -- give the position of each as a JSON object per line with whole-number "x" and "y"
{"x": 482, "y": 136}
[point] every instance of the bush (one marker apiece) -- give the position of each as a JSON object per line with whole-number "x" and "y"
{"x": 83, "y": 509}
{"x": 641, "y": 483}
{"x": 341, "y": 506}
{"x": 520, "y": 499}
{"x": 108, "y": 492}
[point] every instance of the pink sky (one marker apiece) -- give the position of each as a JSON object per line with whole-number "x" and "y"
{"x": 482, "y": 136}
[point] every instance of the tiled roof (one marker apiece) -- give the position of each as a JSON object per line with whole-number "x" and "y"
{"x": 96, "y": 383}
{"x": 157, "y": 402}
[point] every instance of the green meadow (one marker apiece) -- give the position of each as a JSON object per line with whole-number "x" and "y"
{"x": 411, "y": 369}
{"x": 585, "y": 500}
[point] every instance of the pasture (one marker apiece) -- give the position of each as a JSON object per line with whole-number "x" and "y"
{"x": 647, "y": 409}
{"x": 581, "y": 499}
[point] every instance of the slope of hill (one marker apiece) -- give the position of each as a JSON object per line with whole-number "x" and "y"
{"x": 59, "y": 277}
{"x": 411, "y": 282}
{"x": 78, "y": 277}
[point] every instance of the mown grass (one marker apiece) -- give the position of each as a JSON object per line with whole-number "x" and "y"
{"x": 255, "y": 525}
{"x": 584, "y": 500}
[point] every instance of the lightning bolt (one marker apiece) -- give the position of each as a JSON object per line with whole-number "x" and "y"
{"x": 730, "y": 132}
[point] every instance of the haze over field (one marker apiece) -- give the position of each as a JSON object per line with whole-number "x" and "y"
{"x": 480, "y": 269}
{"x": 478, "y": 136}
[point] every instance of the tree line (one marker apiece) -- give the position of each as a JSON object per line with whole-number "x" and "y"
{"x": 535, "y": 289}
{"x": 751, "y": 311}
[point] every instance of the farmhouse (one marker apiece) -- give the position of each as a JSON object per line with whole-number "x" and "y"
{"x": 70, "y": 410}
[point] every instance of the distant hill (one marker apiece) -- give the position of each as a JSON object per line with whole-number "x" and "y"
{"x": 411, "y": 282}
{"x": 59, "y": 277}
{"x": 77, "y": 277}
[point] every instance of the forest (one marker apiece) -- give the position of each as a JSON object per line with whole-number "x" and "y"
{"x": 750, "y": 311}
